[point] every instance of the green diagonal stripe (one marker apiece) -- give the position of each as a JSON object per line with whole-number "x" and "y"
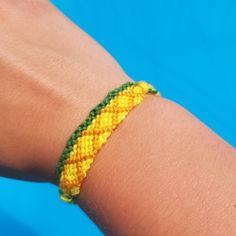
{"x": 92, "y": 115}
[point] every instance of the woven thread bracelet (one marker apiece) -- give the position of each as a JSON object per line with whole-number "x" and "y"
{"x": 92, "y": 134}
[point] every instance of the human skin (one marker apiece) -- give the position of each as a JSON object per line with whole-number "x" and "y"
{"x": 162, "y": 172}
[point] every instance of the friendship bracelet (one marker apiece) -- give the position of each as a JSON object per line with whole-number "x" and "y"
{"x": 92, "y": 134}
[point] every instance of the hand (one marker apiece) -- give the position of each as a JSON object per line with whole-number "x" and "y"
{"x": 52, "y": 75}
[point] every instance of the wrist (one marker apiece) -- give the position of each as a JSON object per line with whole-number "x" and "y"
{"x": 70, "y": 115}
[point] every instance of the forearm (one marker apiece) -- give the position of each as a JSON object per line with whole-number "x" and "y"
{"x": 162, "y": 172}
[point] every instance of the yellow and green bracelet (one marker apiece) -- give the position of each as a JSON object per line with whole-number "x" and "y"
{"x": 89, "y": 137}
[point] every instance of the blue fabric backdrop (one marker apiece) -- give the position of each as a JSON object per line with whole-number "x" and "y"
{"x": 187, "y": 49}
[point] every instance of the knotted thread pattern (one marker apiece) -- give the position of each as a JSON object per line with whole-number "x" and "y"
{"x": 92, "y": 134}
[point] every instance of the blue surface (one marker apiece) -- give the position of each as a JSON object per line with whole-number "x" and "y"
{"x": 187, "y": 49}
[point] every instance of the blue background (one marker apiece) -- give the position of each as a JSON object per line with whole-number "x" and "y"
{"x": 186, "y": 49}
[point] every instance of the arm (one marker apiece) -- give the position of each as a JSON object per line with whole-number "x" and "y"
{"x": 162, "y": 171}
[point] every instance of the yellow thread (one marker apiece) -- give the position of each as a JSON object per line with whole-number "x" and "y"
{"x": 95, "y": 136}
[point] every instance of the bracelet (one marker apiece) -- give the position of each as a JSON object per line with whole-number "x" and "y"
{"x": 92, "y": 134}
